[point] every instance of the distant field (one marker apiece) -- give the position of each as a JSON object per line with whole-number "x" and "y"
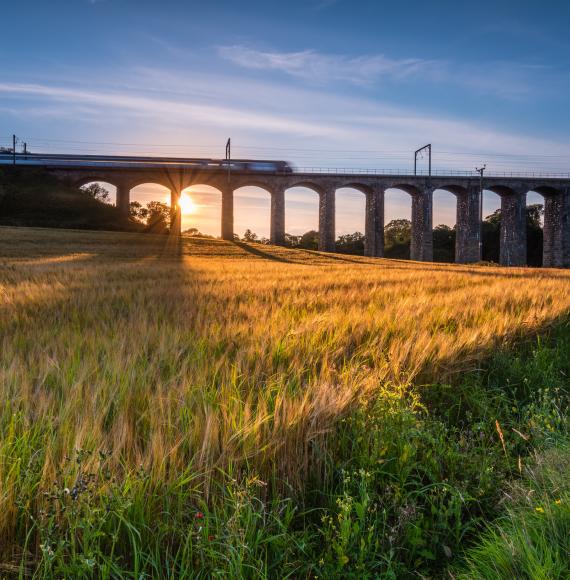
{"x": 167, "y": 369}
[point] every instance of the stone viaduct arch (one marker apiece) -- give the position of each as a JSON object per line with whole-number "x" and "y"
{"x": 467, "y": 190}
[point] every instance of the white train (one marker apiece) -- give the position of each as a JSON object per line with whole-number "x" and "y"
{"x": 51, "y": 159}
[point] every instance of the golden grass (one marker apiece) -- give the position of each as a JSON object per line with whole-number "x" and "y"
{"x": 205, "y": 354}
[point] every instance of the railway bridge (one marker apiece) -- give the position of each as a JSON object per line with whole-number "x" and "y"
{"x": 467, "y": 188}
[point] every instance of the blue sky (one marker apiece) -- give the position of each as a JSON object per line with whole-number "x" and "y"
{"x": 327, "y": 83}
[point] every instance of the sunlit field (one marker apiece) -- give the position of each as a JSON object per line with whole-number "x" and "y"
{"x": 206, "y": 408}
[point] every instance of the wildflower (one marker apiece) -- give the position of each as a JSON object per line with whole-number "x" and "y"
{"x": 539, "y": 510}
{"x": 558, "y": 501}
{"x": 199, "y": 515}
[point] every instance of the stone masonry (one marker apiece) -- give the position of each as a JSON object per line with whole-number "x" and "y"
{"x": 512, "y": 191}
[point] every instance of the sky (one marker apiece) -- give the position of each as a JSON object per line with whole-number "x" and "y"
{"x": 319, "y": 83}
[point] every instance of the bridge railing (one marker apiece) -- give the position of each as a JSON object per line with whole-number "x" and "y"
{"x": 117, "y": 162}
{"x": 435, "y": 172}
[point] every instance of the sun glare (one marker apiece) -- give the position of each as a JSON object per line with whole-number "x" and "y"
{"x": 187, "y": 204}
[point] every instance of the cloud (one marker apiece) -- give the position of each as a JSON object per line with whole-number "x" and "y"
{"x": 308, "y": 126}
{"x": 314, "y": 66}
{"x": 507, "y": 80}
{"x": 170, "y": 109}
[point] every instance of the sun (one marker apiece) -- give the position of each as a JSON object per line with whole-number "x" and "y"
{"x": 187, "y": 205}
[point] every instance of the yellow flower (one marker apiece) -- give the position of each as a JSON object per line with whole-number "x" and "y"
{"x": 558, "y": 501}
{"x": 539, "y": 510}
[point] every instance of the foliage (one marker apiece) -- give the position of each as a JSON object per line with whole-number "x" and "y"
{"x": 350, "y": 244}
{"x": 97, "y": 191}
{"x": 532, "y": 540}
{"x": 135, "y": 208}
{"x": 34, "y": 198}
{"x": 397, "y": 239}
{"x": 309, "y": 240}
{"x": 156, "y": 215}
{"x": 196, "y": 232}
{"x": 194, "y": 410}
{"x": 249, "y": 236}
{"x": 492, "y": 235}
{"x": 444, "y": 243}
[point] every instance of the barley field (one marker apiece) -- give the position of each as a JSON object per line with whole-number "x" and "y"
{"x": 200, "y": 408}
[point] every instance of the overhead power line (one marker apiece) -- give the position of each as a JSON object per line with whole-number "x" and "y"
{"x": 298, "y": 149}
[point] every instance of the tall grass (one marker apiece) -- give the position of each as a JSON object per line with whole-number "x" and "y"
{"x": 167, "y": 407}
{"x": 532, "y": 540}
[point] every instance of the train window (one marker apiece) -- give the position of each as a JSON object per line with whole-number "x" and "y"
{"x": 258, "y": 166}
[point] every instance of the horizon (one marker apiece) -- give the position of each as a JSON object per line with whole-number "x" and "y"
{"x": 123, "y": 77}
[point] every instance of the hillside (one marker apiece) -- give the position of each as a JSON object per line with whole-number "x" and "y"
{"x": 190, "y": 407}
{"x": 34, "y": 198}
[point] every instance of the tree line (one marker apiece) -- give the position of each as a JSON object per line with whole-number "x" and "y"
{"x": 398, "y": 235}
{"x": 155, "y": 215}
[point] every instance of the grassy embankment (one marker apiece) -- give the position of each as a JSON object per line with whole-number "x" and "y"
{"x": 30, "y": 197}
{"x": 205, "y": 408}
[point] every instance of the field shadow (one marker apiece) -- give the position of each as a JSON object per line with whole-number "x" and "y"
{"x": 258, "y": 252}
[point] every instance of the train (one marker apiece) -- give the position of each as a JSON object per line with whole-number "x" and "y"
{"x": 52, "y": 159}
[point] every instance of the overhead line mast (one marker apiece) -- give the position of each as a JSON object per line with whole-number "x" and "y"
{"x": 419, "y": 152}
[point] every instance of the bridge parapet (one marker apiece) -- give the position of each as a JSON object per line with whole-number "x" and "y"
{"x": 511, "y": 189}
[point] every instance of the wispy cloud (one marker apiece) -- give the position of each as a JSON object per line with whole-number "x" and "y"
{"x": 297, "y": 123}
{"x": 503, "y": 79}
{"x": 314, "y": 66}
{"x": 168, "y": 109}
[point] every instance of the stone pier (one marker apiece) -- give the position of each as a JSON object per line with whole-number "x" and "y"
{"x": 468, "y": 226}
{"x": 277, "y": 225}
{"x": 175, "y": 212}
{"x": 227, "y": 213}
{"x": 374, "y": 228}
{"x": 513, "y": 229}
{"x": 123, "y": 198}
{"x": 556, "y": 241}
{"x": 565, "y": 227}
{"x": 326, "y": 220}
{"x": 421, "y": 247}
{"x": 511, "y": 189}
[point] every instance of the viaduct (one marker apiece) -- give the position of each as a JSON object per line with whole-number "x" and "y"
{"x": 466, "y": 188}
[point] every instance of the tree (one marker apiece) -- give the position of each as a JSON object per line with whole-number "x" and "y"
{"x": 292, "y": 241}
{"x": 309, "y": 240}
{"x": 157, "y": 216}
{"x": 249, "y": 236}
{"x": 137, "y": 211}
{"x": 350, "y": 244}
{"x": 491, "y": 229}
{"x": 98, "y": 192}
{"x": 397, "y": 239}
{"x": 443, "y": 243}
{"x": 534, "y": 235}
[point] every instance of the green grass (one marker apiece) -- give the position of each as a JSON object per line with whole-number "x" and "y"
{"x": 532, "y": 539}
{"x": 34, "y": 198}
{"x": 206, "y": 409}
